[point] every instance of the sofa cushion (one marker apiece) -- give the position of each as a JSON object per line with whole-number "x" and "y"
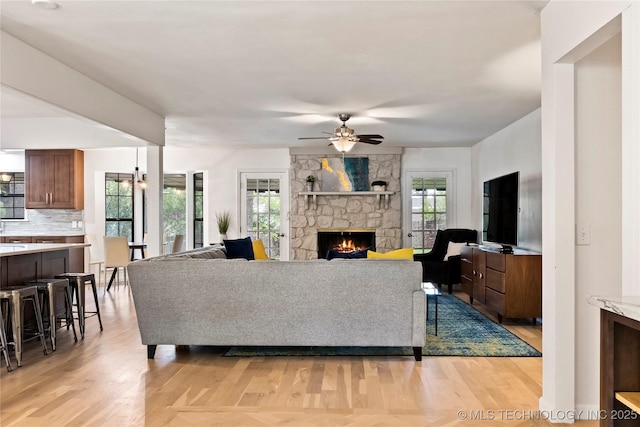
{"x": 217, "y": 253}
{"x": 239, "y": 248}
{"x": 404, "y": 253}
{"x": 259, "y": 252}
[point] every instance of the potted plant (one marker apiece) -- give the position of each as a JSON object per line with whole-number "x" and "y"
{"x": 310, "y": 181}
{"x": 224, "y": 220}
{"x": 379, "y": 185}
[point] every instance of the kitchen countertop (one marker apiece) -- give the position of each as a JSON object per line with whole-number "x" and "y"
{"x": 627, "y": 306}
{"x": 10, "y": 249}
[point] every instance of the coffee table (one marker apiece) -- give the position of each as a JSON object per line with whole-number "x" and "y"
{"x": 432, "y": 292}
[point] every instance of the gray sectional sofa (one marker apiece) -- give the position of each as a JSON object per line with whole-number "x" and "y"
{"x": 200, "y": 298}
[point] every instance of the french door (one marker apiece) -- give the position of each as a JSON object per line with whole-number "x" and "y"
{"x": 428, "y": 207}
{"x": 264, "y": 207}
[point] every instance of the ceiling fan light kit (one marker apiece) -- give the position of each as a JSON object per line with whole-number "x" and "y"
{"x": 344, "y": 145}
{"x": 344, "y": 138}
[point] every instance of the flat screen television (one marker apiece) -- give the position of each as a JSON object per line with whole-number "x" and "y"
{"x": 500, "y": 211}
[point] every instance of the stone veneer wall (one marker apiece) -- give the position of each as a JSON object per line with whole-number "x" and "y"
{"x": 343, "y": 212}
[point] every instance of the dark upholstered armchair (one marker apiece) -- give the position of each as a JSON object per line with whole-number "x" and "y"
{"x": 435, "y": 268}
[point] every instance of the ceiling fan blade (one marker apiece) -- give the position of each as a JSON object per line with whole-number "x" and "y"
{"x": 314, "y": 137}
{"x": 370, "y": 141}
{"x": 370, "y": 136}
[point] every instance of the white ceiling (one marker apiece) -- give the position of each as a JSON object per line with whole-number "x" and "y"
{"x": 263, "y": 73}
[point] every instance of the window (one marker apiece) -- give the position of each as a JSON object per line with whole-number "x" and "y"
{"x": 428, "y": 211}
{"x": 262, "y": 199}
{"x": 118, "y": 204}
{"x": 198, "y": 210}
{"x": 174, "y": 212}
{"x": 12, "y": 195}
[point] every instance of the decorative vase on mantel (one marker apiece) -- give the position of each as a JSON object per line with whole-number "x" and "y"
{"x": 310, "y": 181}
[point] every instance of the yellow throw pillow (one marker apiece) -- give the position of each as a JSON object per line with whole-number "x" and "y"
{"x": 258, "y": 249}
{"x": 404, "y": 253}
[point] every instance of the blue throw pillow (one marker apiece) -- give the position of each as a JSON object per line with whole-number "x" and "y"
{"x": 239, "y": 248}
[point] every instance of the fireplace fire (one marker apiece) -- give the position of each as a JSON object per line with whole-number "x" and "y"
{"x": 346, "y": 246}
{"x": 345, "y": 241}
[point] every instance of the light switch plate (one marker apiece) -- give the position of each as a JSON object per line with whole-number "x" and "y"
{"x": 74, "y": 224}
{"x": 583, "y": 234}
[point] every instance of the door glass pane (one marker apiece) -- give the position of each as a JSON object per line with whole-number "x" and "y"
{"x": 263, "y": 213}
{"x": 428, "y": 207}
{"x": 174, "y": 201}
{"x": 198, "y": 210}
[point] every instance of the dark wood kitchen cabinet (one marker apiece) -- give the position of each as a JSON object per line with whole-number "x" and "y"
{"x": 54, "y": 179}
{"x": 75, "y": 257}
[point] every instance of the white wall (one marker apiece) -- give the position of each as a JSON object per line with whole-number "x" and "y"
{"x": 220, "y": 165}
{"x": 571, "y": 30}
{"x": 598, "y": 153}
{"x": 457, "y": 160}
{"x": 12, "y": 161}
{"x": 516, "y": 148}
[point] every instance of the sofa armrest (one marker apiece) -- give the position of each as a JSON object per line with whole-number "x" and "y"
{"x": 426, "y": 257}
{"x": 419, "y": 330}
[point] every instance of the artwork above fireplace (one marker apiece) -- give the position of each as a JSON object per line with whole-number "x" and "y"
{"x": 345, "y": 240}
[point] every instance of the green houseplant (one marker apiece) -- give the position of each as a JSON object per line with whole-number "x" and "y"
{"x": 223, "y": 220}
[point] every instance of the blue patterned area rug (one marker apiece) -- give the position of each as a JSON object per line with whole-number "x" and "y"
{"x": 462, "y": 331}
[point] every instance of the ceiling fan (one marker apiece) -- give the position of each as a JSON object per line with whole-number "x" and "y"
{"x": 344, "y": 138}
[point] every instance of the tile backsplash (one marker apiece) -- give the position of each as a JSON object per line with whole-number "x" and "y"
{"x": 49, "y": 222}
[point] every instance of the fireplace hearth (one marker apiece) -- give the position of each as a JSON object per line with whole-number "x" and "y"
{"x": 345, "y": 241}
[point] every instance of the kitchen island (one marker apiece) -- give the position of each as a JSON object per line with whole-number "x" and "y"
{"x": 32, "y": 261}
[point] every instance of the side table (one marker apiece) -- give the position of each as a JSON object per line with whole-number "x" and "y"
{"x": 432, "y": 292}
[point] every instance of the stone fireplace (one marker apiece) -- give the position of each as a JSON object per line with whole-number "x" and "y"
{"x": 345, "y": 241}
{"x": 344, "y": 211}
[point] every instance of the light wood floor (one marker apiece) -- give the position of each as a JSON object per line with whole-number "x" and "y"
{"x": 106, "y": 380}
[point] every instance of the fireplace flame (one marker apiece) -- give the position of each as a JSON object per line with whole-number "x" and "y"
{"x": 346, "y": 246}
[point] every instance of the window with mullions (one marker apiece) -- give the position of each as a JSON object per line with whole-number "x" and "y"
{"x": 118, "y": 202}
{"x": 12, "y": 195}
{"x": 174, "y": 206}
{"x": 263, "y": 213}
{"x": 428, "y": 211}
{"x": 198, "y": 210}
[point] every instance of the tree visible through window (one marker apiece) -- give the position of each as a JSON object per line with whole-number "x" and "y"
{"x": 118, "y": 195}
{"x": 198, "y": 210}
{"x": 12, "y": 195}
{"x": 428, "y": 211}
{"x": 174, "y": 203}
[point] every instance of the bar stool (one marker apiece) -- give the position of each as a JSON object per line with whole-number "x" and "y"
{"x": 16, "y": 296}
{"x": 77, "y": 282}
{"x": 3, "y": 342}
{"x": 50, "y": 289}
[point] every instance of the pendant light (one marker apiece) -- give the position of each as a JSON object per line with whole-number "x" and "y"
{"x": 137, "y": 178}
